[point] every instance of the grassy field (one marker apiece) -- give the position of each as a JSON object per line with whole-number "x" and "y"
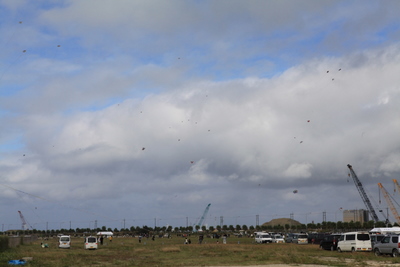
{"x": 173, "y": 252}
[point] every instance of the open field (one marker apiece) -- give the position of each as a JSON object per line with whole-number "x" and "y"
{"x": 173, "y": 252}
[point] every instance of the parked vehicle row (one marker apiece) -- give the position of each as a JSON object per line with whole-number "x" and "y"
{"x": 64, "y": 241}
{"x": 263, "y": 237}
{"x": 298, "y": 238}
{"x": 361, "y": 241}
{"x": 380, "y": 244}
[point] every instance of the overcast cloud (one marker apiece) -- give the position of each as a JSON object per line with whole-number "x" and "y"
{"x": 138, "y": 113}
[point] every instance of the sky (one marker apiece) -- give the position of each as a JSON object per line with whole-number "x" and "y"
{"x": 132, "y": 113}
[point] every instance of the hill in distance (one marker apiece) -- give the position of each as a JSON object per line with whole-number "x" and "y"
{"x": 282, "y": 222}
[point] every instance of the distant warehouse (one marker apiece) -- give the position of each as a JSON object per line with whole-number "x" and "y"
{"x": 355, "y": 216}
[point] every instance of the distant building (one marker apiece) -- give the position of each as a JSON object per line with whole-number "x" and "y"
{"x": 355, "y": 216}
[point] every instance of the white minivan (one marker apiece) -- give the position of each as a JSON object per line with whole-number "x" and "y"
{"x": 354, "y": 241}
{"x": 64, "y": 241}
{"x": 261, "y": 237}
{"x": 91, "y": 242}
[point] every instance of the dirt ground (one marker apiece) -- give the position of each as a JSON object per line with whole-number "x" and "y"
{"x": 349, "y": 261}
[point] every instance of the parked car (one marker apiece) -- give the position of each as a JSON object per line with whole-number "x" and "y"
{"x": 278, "y": 239}
{"x": 354, "y": 241}
{"x": 375, "y": 239}
{"x": 316, "y": 238}
{"x": 330, "y": 242}
{"x": 91, "y": 242}
{"x": 388, "y": 245}
{"x": 301, "y": 239}
{"x": 263, "y": 238}
{"x": 64, "y": 241}
{"x": 289, "y": 237}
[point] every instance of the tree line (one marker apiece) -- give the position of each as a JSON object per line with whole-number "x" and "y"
{"x": 310, "y": 227}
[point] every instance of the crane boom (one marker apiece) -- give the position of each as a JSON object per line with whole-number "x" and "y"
{"x": 397, "y": 185}
{"x": 363, "y": 195}
{"x": 200, "y": 224}
{"x": 24, "y": 224}
{"x": 390, "y": 203}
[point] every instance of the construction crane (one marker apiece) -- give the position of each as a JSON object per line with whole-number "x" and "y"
{"x": 397, "y": 186}
{"x": 24, "y": 223}
{"x": 200, "y": 223}
{"x": 390, "y": 203}
{"x": 364, "y": 196}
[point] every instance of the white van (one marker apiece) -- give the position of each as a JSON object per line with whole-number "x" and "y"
{"x": 91, "y": 242}
{"x": 263, "y": 237}
{"x": 64, "y": 241}
{"x": 354, "y": 241}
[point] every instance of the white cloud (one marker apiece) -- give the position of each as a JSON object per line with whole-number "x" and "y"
{"x": 298, "y": 170}
{"x": 235, "y": 91}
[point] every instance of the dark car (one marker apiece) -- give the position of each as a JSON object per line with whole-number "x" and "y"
{"x": 330, "y": 242}
{"x": 316, "y": 238}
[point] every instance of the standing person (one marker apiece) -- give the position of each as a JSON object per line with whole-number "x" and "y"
{"x": 186, "y": 241}
{"x": 201, "y": 239}
{"x": 224, "y": 239}
{"x": 110, "y": 238}
{"x": 140, "y": 239}
{"x": 101, "y": 240}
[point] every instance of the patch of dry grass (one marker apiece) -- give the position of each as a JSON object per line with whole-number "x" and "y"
{"x": 171, "y": 249}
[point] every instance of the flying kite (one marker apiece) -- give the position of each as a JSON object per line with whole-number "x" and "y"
{"x": 143, "y": 148}
{"x": 295, "y": 191}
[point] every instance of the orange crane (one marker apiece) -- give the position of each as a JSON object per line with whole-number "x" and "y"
{"x": 390, "y": 203}
{"x": 397, "y": 185}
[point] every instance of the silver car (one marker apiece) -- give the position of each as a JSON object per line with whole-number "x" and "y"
{"x": 388, "y": 245}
